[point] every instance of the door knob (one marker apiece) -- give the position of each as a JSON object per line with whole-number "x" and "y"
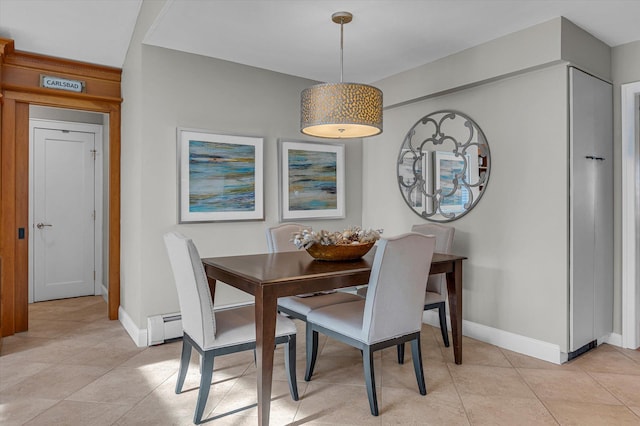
{"x": 42, "y": 225}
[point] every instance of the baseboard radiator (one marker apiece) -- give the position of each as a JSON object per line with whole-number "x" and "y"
{"x": 163, "y": 328}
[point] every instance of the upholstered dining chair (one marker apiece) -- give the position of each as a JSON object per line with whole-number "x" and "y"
{"x": 279, "y": 239}
{"x": 436, "y": 295}
{"x": 213, "y": 333}
{"x": 390, "y": 315}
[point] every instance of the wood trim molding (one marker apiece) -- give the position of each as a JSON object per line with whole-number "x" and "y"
{"x": 19, "y": 88}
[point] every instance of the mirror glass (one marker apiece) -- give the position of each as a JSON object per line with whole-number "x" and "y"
{"x": 443, "y": 166}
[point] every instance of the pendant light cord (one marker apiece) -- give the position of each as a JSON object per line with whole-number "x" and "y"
{"x": 341, "y": 47}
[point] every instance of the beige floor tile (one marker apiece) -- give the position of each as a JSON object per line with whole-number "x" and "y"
{"x": 18, "y": 409}
{"x": 43, "y": 381}
{"x": 106, "y": 354}
{"x": 630, "y": 353}
{"x": 625, "y": 388}
{"x": 164, "y": 407}
{"x": 80, "y": 413}
{"x": 19, "y": 343}
{"x": 586, "y": 414}
{"x": 50, "y": 329}
{"x": 241, "y": 400}
{"x": 15, "y": 371}
{"x": 403, "y": 376}
{"x": 489, "y": 381}
{"x": 123, "y": 385}
{"x": 575, "y": 386}
{"x": 328, "y": 403}
{"x": 57, "y": 382}
{"x": 605, "y": 359}
{"x": 347, "y": 370}
{"x": 478, "y": 353}
{"x": 501, "y": 410}
{"x": 524, "y": 361}
{"x": 45, "y": 350}
{"x": 438, "y": 407}
{"x": 166, "y": 356}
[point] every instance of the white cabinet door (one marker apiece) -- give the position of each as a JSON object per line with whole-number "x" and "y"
{"x": 63, "y": 225}
{"x": 591, "y": 212}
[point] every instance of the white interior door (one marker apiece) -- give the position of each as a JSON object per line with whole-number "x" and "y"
{"x": 63, "y": 213}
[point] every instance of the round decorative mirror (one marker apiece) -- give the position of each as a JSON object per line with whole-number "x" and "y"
{"x": 443, "y": 166}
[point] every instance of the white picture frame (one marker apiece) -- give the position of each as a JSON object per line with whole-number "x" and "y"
{"x": 220, "y": 177}
{"x": 311, "y": 180}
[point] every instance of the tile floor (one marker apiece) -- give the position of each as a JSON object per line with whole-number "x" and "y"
{"x": 74, "y": 367}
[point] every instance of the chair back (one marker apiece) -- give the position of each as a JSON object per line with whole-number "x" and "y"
{"x": 395, "y": 298}
{"x": 196, "y": 306}
{"x": 444, "y": 243}
{"x": 279, "y": 237}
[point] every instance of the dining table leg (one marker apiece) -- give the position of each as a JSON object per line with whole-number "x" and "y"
{"x": 266, "y": 311}
{"x": 454, "y": 290}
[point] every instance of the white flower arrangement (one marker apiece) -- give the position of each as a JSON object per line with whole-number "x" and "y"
{"x": 350, "y": 236}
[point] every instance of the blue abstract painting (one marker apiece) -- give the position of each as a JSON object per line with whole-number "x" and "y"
{"x": 222, "y": 177}
{"x": 312, "y": 180}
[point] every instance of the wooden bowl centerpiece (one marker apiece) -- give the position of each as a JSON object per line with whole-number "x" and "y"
{"x": 350, "y": 244}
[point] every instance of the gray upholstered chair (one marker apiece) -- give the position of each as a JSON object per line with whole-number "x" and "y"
{"x": 213, "y": 333}
{"x": 279, "y": 240}
{"x": 436, "y": 294}
{"x": 390, "y": 315}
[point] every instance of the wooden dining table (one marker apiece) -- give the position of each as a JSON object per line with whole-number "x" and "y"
{"x": 273, "y": 275}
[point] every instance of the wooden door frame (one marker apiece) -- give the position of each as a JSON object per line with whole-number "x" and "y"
{"x": 19, "y": 88}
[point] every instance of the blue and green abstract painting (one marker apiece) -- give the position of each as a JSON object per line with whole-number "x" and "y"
{"x": 221, "y": 177}
{"x": 312, "y": 180}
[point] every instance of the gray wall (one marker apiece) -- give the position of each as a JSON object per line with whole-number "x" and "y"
{"x": 515, "y": 88}
{"x": 173, "y": 89}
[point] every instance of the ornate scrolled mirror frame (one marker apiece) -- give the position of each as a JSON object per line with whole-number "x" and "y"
{"x": 443, "y": 166}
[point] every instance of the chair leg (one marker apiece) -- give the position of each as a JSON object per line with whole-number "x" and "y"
{"x": 416, "y": 353}
{"x": 442, "y": 311}
{"x": 370, "y": 381}
{"x": 400, "y": 348}
{"x": 312, "y": 352}
{"x": 290, "y": 365}
{"x": 205, "y": 385}
{"x": 184, "y": 364}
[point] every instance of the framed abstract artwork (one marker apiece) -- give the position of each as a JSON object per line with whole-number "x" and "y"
{"x": 312, "y": 180}
{"x": 220, "y": 177}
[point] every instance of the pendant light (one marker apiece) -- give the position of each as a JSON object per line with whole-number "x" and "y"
{"x": 341, "y": 110}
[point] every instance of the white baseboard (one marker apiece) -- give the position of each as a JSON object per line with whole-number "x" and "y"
{"x": 503, "y": 339}
{"x": 614, "y": 339}
{"x": 105, "y": 293}
{"x": 139, "y": 336}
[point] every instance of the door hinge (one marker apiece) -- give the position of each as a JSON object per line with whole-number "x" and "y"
{"x": 93, "y": 215}
{"x": 94, "y": 153}
{"x": 94, "y": 275}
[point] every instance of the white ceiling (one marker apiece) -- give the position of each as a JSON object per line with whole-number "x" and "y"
{"x": 297, "y": 37}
